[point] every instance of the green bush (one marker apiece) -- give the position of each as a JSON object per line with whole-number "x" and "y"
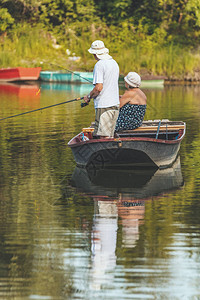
{"x": 6, "y": 20}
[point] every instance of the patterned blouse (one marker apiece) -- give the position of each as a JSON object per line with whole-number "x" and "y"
{"x": 130, "y": 116}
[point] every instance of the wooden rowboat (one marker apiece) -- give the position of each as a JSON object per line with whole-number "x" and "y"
{"x": 19, "y": 74}
{"x": 154, "y": 144}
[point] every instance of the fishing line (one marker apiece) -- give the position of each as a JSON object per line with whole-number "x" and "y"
{"x": 38, "y": 109}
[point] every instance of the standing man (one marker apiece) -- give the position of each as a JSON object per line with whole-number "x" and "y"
{"x": 105, "y": 91}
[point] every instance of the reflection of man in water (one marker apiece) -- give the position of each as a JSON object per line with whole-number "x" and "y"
{"x": 104, "y": 238}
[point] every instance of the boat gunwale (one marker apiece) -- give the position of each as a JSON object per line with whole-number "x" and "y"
{"x": 72, "y": 144}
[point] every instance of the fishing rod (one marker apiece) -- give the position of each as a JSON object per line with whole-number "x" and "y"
{"x": 84, "y": 103}
{"x": 70, "y": 71}
{"x": 30, "y": 111}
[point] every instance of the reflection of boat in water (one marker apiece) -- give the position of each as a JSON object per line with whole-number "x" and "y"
{"x": 154, "y": 144}
{"x": 60, "y": 86}
{"x": 120, "y": 201}
{"x": 139, "y": 182}
{"x": 20, "y": 90}
{"x": 27, "y": 95}
{"x": 120, "y": 198}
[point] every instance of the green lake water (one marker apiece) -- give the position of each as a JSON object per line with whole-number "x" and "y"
{"x": 69, "y": 234}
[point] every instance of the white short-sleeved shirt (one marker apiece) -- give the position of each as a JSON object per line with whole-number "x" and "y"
{"x": 106, "y": 71}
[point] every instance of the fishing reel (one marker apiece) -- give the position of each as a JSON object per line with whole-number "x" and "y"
{"x": 83, "y": 104}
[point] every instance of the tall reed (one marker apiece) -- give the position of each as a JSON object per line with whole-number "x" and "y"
{"x": 169, "y": 60}
{"x": 26, "y": 46}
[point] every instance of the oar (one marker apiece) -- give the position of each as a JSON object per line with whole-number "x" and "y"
{"x": 30, "y": 111}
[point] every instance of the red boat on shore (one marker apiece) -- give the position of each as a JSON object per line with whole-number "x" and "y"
{"x": 19, "y": 74}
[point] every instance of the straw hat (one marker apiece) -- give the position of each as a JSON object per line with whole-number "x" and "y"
{"x": 133, "y": 79}
{"x": 100, "y": 50}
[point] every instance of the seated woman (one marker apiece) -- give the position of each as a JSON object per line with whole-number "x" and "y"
{"x": 132, "y": 104}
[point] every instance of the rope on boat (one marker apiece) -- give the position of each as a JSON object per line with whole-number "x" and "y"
{"x": 30, "y": 111}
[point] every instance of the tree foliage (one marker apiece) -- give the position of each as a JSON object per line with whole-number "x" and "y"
{"x": 177, "y": 17}
{"x": 6, "y": 19}
{"x": 142, "y": 28}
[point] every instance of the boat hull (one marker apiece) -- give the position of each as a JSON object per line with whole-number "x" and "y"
{"x": 126, "y": 153}
{"x": 152, "y": 83}
{"x": 76, "y": 77}
{"x": 19, "y": 74}
{"x": 50, "y": 76}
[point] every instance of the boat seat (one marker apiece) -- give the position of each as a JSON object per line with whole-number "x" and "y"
{"x": 89, "y": 129}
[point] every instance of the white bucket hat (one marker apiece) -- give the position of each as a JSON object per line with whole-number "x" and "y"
{"x": 100, "y": 50}
{"x": 133, "y": 79}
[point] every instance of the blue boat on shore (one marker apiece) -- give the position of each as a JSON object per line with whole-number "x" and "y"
{"x": 58, "y": 76}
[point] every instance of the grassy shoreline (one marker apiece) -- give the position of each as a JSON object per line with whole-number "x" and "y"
{"x": 31, "y": 47}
